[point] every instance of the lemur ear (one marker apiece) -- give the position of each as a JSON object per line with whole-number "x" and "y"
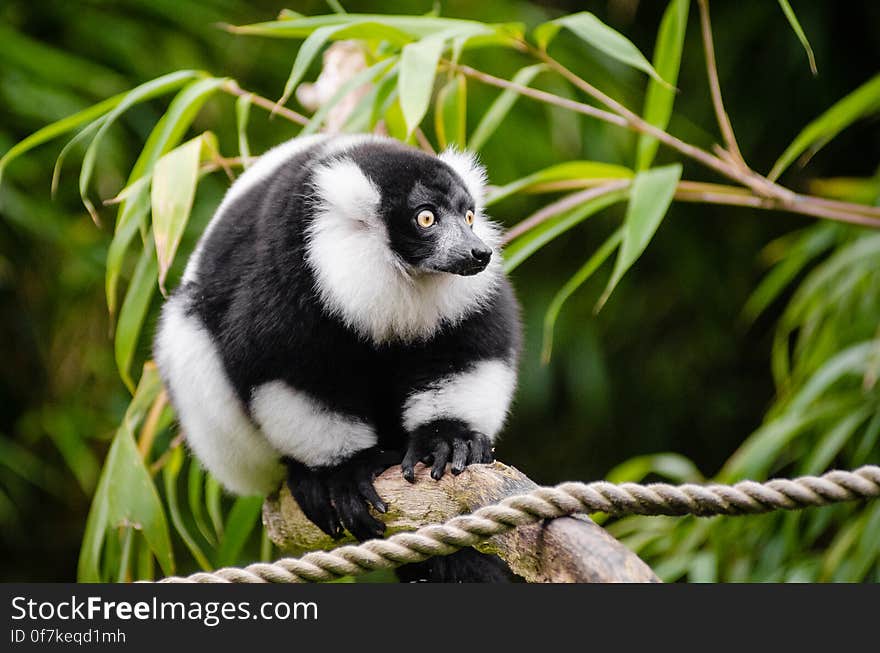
{"x": 469, "y": 168}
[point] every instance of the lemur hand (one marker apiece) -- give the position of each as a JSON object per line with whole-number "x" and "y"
{"x": 336, "y": 497}
{"x": 443, "y": 441}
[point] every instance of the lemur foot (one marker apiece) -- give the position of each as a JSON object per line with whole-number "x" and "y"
{"x": 336, "y": 497}
{"x": 445, "y": 441}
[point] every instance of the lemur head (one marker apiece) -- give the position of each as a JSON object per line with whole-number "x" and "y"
{"x": 429, "y": 213}
{"x": 396, "y": 222}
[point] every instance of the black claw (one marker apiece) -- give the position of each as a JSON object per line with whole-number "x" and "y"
{"x": 459, "y": 455}
{"x": 441, "y": 457}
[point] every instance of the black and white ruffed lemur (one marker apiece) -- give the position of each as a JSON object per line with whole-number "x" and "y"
{"x": 345, "y": 310}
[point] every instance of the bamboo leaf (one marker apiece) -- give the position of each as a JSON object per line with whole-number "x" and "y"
{"x": 172, "y": 193}
{"x": 502, "y": 105}
{"x": 126, "y": 495}
{"x": 147, "y": 91}
{"x": 649, "y": 199}
{"x": 591, "y": 171}
{"x": 170, "y": 472}
{"x": 450, "y": 115}
{"x": 242, "y": 113}
{"x": 363, "y": 77}
{"x": 134, "y": 311}
{"x": 418, "y": 66}
{"x": 416, "y": 27}
{"x": 576, "y": 281}
{"x": 671, "y": 466}
{"x": 58, "y": 128}
{"x": 667, "y": 61}
{"x": 799, "y": 32}
{"x": 133, "y": 211}
{"x": 863, "y": 101}
{"x": 531, "y": 241}
{"x": 240, "y": 523}
{"x": 593, "y": 31}
{"x": 213, "y": 493}
{"x": 195, "y": 491}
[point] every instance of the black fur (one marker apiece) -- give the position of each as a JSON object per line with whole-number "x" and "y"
{"x": 256, "y": 295}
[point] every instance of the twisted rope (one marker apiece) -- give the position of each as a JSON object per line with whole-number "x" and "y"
{"x": 745, "y": 497}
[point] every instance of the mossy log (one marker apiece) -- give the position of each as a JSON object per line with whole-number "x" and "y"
{"x": 568, "y": 549}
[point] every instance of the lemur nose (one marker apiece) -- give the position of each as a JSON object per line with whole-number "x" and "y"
{"x": 482, "y": 254}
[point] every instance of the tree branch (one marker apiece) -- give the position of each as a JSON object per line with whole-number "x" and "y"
{"x": 569, "y": 549}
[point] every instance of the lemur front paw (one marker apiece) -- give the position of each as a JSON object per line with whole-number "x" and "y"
{"x": 445, "y": 441}
{"x": 336, "y": 497}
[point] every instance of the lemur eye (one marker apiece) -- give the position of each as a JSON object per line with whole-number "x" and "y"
{"x": 469, "y": 217}
{"x": 425, "y": 219}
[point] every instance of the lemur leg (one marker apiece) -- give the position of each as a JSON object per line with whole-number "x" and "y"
{"x": 331, "y": 459}
{"x": 455, "y": 418}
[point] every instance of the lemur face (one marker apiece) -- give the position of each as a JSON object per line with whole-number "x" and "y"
{"x": 434, "y": 228}
{"x": 429, "y": 213}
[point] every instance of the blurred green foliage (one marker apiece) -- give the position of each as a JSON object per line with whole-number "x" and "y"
{"x": 700, "y": 351}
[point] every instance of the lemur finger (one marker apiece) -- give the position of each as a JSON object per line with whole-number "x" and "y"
{"x": 314, "y": 500}
{"x": 409, "y": 463}
{"x": 441, "y": 457}
{"x": 488, "y": 451}
{"x": 475, "y": 451}
{"x": 368, "y": 492}
{"x": 355, "y": 516}
{"x": 459, "y": 455}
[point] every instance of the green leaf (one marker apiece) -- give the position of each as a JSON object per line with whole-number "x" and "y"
{"x": 316, "y": 41}
{"x": 126, "y": 495}
{"x": 134, "y": 311}
{"x": 667, "y": 61}
{"x": 213, "y": 494}
{"x": 240, "y": 523}
{"x": 170, "y": 472}
{"x": 172, "y": 194}
{"x": 147, "y": 91}
{"x": 863, "y": 101}
{"x": 416, "y": 27}
{"x": 133, "y": 211}
{"x": 418, "y": 66}
{"x": 502, "y": 105}
{"x": 585, "y": 272}
{"x": 531, "y": 241}
{"x": 799, "y": 32}
{"x": 363, "y": 77}
{"x": 62, "y": 126}
{"x": 830, "y": 445}
{"x": 671, "y": 466}
{"x": 450, "y": 115}
{"x": 574, "y": 171}
{"x": 195, "y": 486}
{"x": 649, "y": 199}
{"x": 242, "y": 113}
{"x": 590, "y": 29}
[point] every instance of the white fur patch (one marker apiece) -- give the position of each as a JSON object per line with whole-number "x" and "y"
{"x": 365, "y": 284}
{"x": 216, "y": 427}
{"x": 300, "y": 427}
{"x": 466, "y": 166}
{"x": 263, "y": 168}
{"x": 479, "y": 397}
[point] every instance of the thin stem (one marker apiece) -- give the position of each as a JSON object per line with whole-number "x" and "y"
{"x": 542, "y": 96}
{"x": 233, "y": 88}
{"x": 715, "y": 87}
{"x": 561, "y": 206}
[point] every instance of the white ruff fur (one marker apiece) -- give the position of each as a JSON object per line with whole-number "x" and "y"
{"x": 359, "y": 278}
{"x": 479, "y": 397}
{"x": 300, "y": 427}
{"x": 216, "y": 427}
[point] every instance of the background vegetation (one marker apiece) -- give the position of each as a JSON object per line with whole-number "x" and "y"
{"x": 742, "y": 343}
